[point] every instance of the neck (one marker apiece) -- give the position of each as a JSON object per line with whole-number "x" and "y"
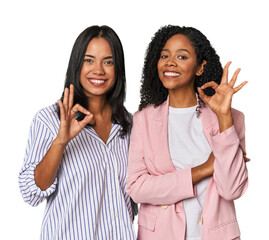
{"x": 182, "y": 98}
{"x": 98, "y": 105}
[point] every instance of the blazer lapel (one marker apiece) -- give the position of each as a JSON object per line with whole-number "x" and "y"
{"x": 159, "y": 136}
{"x": 158, "y": 127}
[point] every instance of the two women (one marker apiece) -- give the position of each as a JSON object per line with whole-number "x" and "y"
{"x": 76, "y": 155}
{"x": 187, "y": 148}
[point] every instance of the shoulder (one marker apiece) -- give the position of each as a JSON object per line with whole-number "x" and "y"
{"x": 145, "y": 112}
{"x": 48, "y": 113}
{"x": 48, "y": 117}
{"x": 210, "y": 114}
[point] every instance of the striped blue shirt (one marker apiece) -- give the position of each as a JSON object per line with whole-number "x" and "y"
{"x": 87, "y": 199}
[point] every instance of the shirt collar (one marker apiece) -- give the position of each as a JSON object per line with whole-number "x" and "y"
{"x": 113, "y": 132}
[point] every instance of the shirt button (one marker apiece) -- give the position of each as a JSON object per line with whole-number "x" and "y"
{"x": 202, "y": 220}
{"x": 164, "y": 207}
{"x": 107, "y": 149}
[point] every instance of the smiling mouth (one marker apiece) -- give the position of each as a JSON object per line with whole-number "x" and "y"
{"x": 171, "y": 74}
{"x": 97, "y": 82}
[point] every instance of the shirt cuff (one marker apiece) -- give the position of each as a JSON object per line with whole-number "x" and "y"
{"x": 33, "y": 188}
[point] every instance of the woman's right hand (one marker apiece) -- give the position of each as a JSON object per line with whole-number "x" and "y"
{"x": 69, "y": 126}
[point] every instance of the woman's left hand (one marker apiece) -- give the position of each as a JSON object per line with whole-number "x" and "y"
{"x": 220, "y": 102}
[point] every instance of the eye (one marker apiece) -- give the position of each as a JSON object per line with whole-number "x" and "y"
{"x": 88, "y": 60}
{"x": 164, "y": 56}
{"x": 182, "y": 57}
{"x": 110, "y": 62}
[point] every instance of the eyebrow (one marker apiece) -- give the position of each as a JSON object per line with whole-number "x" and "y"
{"x": 178, "y": 50}
{"x": 91, "y": 56}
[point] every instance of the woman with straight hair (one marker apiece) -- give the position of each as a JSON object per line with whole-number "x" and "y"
{"x": 76, "y": 154}
{"x": 187, "y": 157}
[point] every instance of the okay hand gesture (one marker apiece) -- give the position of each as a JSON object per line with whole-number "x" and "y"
{"x": 220, "y": 102}
{"x": 69, "y": 126}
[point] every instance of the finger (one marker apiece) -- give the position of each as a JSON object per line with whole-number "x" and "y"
{"x": 212, "y": 84}
{"x": 86, "y": 120}
{"x": 224, "y": 78}
{"x": 77, "y": 108}
{"x": 234, "y": 78}
{"x": 247, "y": 159}
{"x": 62, "y": 111}
{"x": 66, "y": 98}
{"x": 236, "y": 89}
{"x": 71, "y": 96}
{"x": 203, "y": 96}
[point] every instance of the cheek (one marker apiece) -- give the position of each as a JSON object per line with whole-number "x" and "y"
{"x": 191, "y": 67}
{"x": 159, "y": 68}
{"x": 159, "y": 65}
{"x": 84, "y": 70}
{"x": 111, "y": 73}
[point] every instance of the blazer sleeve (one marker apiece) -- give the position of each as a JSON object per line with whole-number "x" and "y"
{"x": 143, "y": 187}
{"x": 230, "y": 170}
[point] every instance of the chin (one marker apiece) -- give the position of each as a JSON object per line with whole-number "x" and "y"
{"x": 95, "y": 93}
{"x": 170, "y": 86}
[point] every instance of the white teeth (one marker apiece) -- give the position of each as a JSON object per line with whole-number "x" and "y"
{"x": 171, "y": 74}
{"x": 97, "y": 81}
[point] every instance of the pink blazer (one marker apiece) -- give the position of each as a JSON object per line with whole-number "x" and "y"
{"x": 154, "y": 182}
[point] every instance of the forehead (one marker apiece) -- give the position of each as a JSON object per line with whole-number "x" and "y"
{"x": 179, "y": 41}
{"x": 98, "y": 46}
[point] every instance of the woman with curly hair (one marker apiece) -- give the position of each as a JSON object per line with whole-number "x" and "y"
{"x": 187, "y": 158}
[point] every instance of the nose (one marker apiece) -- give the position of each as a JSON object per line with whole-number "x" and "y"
{"x": 98, "y": 69}
{"x": 170, "y": 62}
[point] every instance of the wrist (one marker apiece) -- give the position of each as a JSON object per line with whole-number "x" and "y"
{"x": 207, "y": 169}
{"x": 225, "y": 121}
{"x": 200, "y": 172}
{"x": 58, "y": 143}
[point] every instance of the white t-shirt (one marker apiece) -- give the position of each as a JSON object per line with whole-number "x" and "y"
{"x": 189, "y": 148}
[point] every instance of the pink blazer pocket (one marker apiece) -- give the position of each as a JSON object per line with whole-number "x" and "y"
{"x": 225, "y": 231}
{"x": 147, "y": 220}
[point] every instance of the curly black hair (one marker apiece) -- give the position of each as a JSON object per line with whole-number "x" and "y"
{"x": 152, "y": 90}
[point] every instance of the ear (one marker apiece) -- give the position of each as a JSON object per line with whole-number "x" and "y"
{"x": 200, "y": 69}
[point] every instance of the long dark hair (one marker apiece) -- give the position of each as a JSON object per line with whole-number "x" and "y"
{"x": 116, "y": 95}
{"x": 152, "y": 90}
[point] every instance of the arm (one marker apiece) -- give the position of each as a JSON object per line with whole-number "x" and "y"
{"x": 46, "y": 170}
{"x": 204, "y": 170}
{"x": 43, "y": 156}
{"x": 39, "y": 141}
{"x": 230, "y": 172}
{"x": 154, "y": 189}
